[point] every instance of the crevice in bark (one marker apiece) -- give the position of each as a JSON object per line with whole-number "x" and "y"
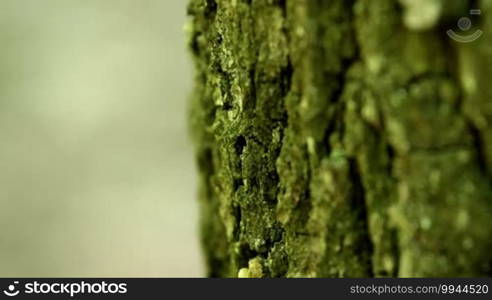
{"x": 390, "y": 152}
{"x": 479, "y": 149}
{"x": 395, "y": 249}
{"x": 210, "y": 9}
{"x": 358, "y": 204}
{"x": 239, "y": 145}
{"x": 286, "y": 74}
{"x": 336, "y": 122}
{"x": 237, "y": 216}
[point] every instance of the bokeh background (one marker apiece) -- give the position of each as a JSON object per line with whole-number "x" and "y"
{"x": 96, "y": 166}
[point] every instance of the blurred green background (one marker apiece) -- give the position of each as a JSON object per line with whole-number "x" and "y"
{"x": 96, "y": 170}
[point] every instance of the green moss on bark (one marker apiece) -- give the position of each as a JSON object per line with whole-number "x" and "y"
{"x": 341, "y": 138}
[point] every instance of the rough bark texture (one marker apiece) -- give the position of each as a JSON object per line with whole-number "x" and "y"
{"x": 342, "y": 138}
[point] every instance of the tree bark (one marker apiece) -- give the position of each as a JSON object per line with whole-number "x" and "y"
{"x": 342, "y": 138}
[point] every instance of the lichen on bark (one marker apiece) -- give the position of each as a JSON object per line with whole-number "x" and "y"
{"x": 341, "y": 138}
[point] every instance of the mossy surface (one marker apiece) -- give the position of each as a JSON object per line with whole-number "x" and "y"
{"x": 341, "y": 138}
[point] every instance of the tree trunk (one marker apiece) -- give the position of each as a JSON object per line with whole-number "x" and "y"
{"x": 342, "y": 138}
